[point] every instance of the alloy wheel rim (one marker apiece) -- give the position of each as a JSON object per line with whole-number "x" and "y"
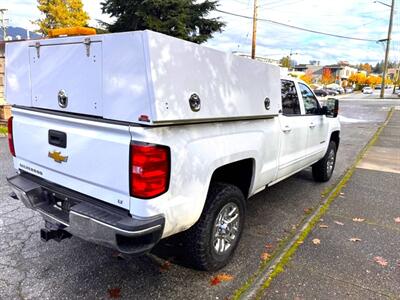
{"x": 226, "y": 228}
{"x": 331, "y": 162}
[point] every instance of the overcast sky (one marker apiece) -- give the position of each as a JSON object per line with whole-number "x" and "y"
{"x": 353, "y": 18}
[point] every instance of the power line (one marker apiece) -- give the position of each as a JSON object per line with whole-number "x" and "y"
{"x": 296, "y": 27}
{"x": 278, "y": 4}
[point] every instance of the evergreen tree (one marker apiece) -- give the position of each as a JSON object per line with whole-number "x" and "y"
{"x": 185, "y": 19}
{"x": 378, "y": 68}
{"x": 61, "y": 13}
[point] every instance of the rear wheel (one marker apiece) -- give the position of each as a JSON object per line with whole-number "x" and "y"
{"x": 212, "y": 241}
{"x": 323, "y": 169}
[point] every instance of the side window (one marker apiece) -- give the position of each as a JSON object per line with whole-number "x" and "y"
{"x": 311, "y": 104}
{"x": 290, "y": 99}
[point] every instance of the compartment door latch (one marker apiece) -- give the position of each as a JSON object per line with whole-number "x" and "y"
{"x": 87, "y": 43}
{"x": 37, "y": 46}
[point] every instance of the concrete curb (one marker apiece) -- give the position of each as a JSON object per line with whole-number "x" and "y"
{"x": 275, "y": 266}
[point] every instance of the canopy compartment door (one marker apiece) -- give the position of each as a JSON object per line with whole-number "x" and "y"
{"x": 67, "y": 77}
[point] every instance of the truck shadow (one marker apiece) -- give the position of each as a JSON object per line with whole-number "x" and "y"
{"x": 172, "y": 248}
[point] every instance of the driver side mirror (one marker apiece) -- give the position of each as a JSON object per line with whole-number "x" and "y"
{"x": 331, "y": 109}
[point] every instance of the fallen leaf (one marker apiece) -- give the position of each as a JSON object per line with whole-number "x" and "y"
{"x": 316, "y": 241}
{"x": 265, "y": 256}
{"x": 165, "y": 266}
{"x": 225, "y": 277}
{"x": 307, "y": 210}
{"x": 323, "y": 226}
{"x": 215, "y": 281}
{"x": 339, "y": 223}
{"x": 220, "y": 278}
{"x": 300, "y": 242}
{"x": 269, "y": 246}
{"x": 341, "y": 193}
{"x": 358, "y": 220}
{"x": 397, "y": 220}
{"x": 381, "y": 261}
{"x": 114, "y": 293}
{"x": 355, "y": 240}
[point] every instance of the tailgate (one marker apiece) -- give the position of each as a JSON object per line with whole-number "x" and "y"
{"x": 94, "y": 161}
{"x": 67, "y": 77}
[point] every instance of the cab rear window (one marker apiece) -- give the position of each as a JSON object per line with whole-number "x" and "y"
{"x": 290, "y": 99}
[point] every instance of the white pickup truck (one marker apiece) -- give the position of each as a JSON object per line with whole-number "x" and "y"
{"x": 125, "y": 139}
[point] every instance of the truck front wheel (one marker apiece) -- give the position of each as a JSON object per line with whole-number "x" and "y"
{"x": 323, "y": 169}
{"x": 212, "y": 241}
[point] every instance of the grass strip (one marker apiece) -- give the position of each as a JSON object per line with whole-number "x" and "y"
{"x": 3, "y": 130}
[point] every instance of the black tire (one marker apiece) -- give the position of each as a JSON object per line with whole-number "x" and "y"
{"x": 199, "y": 239}
{"x": 323, "y": 169}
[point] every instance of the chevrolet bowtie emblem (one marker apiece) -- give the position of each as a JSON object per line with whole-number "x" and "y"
{"x": 56, "y": 155}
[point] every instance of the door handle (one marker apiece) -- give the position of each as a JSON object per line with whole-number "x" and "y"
{"x": 58, "y": 138}
{"x": 287, "y": 129}
{"x": 312, "y": 125}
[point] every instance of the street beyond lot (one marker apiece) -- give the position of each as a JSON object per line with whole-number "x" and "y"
{"x": 30, "y": 269}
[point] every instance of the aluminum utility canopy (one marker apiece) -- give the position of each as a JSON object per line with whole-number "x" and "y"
{"x": 140, "y": 77}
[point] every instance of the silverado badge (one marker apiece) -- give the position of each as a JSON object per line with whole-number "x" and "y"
{"x": 56, "y": 155}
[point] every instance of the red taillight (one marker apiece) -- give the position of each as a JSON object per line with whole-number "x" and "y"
{"x": 10, "y": 136}
{"x": 149, "y": 170}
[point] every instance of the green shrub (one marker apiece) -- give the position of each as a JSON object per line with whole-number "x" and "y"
{"x": 3, "y": 130}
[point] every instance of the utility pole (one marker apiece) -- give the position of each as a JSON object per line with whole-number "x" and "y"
{"x": 3, "y": 22}
{"x": 254, "y": 40}
{"x": 387, "y": 51}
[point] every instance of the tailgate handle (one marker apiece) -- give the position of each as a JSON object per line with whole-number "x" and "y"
{"x": 58, "y": 138}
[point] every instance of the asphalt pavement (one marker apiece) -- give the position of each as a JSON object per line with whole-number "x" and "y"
{"x": 353, "y": 251}
{"x": 75, "y": 269}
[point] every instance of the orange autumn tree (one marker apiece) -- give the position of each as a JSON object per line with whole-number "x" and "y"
{"x": 373, "y": 80}
{"x": 366, "y": 67}
{"x": 327, "y": 76}
{"x": 358, "y": 78}
{"x": 361, "y": 78}
{"x": 353, "y": 78}
{"x": 307, "y": 77}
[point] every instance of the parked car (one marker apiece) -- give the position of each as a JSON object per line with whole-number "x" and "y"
{"x": 335, "y": 87}
{"x": 332, "y": 92}
{"x": 367, "y": 90}
{"x": 321, "y": 93}
{"x": 102, "y": 157}
{"x": 349, "y": 90}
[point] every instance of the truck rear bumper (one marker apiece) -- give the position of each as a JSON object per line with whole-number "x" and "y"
{"x": 87, "y": 218}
